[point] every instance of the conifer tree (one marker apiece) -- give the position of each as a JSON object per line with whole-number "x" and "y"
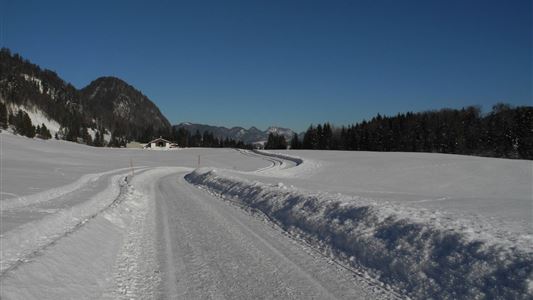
{"x": 295, "y": 142}
{"x": 3, "y": 116}
{"x": 44, "y": 132}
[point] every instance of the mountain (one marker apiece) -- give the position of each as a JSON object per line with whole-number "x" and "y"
{"x": 108, "y": 107}
{"x": 248, "y": 136}
{"x": 107, "y": 111}
{"x": 25, "y": 86}
{"x": 121, "y": 107}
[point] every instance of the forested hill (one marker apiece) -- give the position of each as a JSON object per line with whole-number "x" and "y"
{"x": 107, "y": 107}
{"x": 123, "y": 109}
{"x": 505, "y": 131}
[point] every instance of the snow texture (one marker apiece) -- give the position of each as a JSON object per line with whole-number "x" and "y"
{"x": 421, "y": 252}
{"x": 78, "y": 222}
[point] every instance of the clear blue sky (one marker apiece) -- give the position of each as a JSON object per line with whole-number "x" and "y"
{"x": 285, "y": 63}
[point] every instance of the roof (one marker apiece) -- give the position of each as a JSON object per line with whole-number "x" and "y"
{"x": 159, "y": 139}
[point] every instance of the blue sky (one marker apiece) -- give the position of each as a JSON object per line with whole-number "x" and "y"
{"x": 285, "y": 63}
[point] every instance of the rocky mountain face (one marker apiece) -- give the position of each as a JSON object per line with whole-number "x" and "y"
{"x": 108, "y": 105}
{"x": 248, "y": 136}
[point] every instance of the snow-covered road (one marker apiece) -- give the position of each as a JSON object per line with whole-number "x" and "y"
{"x": 211, "y": 249}
{"x": 75, "y": 224}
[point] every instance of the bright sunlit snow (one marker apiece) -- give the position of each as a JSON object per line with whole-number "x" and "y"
{"x": 130, "y": 223}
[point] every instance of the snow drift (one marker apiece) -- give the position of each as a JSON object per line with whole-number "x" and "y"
{"x": 423, "y": 253}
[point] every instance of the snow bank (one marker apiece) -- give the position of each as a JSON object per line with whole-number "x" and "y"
{"x": 423, "y": 253}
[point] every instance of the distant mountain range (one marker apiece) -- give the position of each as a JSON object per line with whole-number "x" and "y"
{"x": 108, "y": 107}
{"x": 248, "y": 136}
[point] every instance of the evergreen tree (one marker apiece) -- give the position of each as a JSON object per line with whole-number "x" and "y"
{"x": 183, "y": 137}
{"x": 295, "y": 142}
{"x": 276, "y": 141}
{"x": 196, "y": 139}
{"x": 99, "y": 140}
{"x": 44, "y": 133}
{"x": 310, "y": 138}
{"x": 23, "y": 125}
{"x": 504, "y": 132}
{"x": 3, "y": 116}
{"x": 85, "y": 136}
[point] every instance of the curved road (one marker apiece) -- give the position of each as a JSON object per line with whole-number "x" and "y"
{"x": 159, "y": 237}
{"x": 209, "y": 248}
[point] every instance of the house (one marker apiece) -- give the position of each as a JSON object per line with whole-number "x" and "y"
{"x": 259, "y": 145}
{"x": 160, "y": 143}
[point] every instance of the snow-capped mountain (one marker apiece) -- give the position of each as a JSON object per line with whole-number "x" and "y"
{"x": 251, "y": 135}
{"x": 286, "y": 132}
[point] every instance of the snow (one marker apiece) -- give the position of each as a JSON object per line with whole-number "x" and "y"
{"x": 38, "y": 117}
{"x": 396, "y": 213}
{"x": 117, "y": 258}
{"x": 54, "y": 193}
{"x": 330, "y": 223}
{"x": 423, "y": 252}
{"x": 35, "y": 80}
{"x": 31, "y": 166}
{"x": 107, "y": 137}
{"x": 287, "y": 133}
{"x": 92, "y": 133}
{"x": 499, "y": 190}
{"x": 23, "y": 241}
{"x": 216, "y": 250}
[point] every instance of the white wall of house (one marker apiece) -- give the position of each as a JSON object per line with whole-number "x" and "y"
{"x": 154, "y": 146}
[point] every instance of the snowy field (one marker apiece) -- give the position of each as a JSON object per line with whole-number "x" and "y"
{"x": 499, "y": 190}
{"x": 80, "y": 222}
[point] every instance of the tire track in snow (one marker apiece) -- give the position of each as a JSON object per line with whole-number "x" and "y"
{"x": 28, "y": 241}
{"x": 275, "y": 162}
{"x": 136, "y": 273}
{"x": 53, "y": 193}
{"x": 217, "y": 251}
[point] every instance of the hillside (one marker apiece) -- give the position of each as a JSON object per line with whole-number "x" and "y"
{"x": 122, "y": 108}
{"x": 108, "y": 107}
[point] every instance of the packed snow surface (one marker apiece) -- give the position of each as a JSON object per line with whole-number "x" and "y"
{"x": 83, "y": 222}
{"x": 499, "y": 190}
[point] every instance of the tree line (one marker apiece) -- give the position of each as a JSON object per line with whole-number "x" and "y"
{"x": 206, "y": 139}
{"x": 505, "y": 131}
